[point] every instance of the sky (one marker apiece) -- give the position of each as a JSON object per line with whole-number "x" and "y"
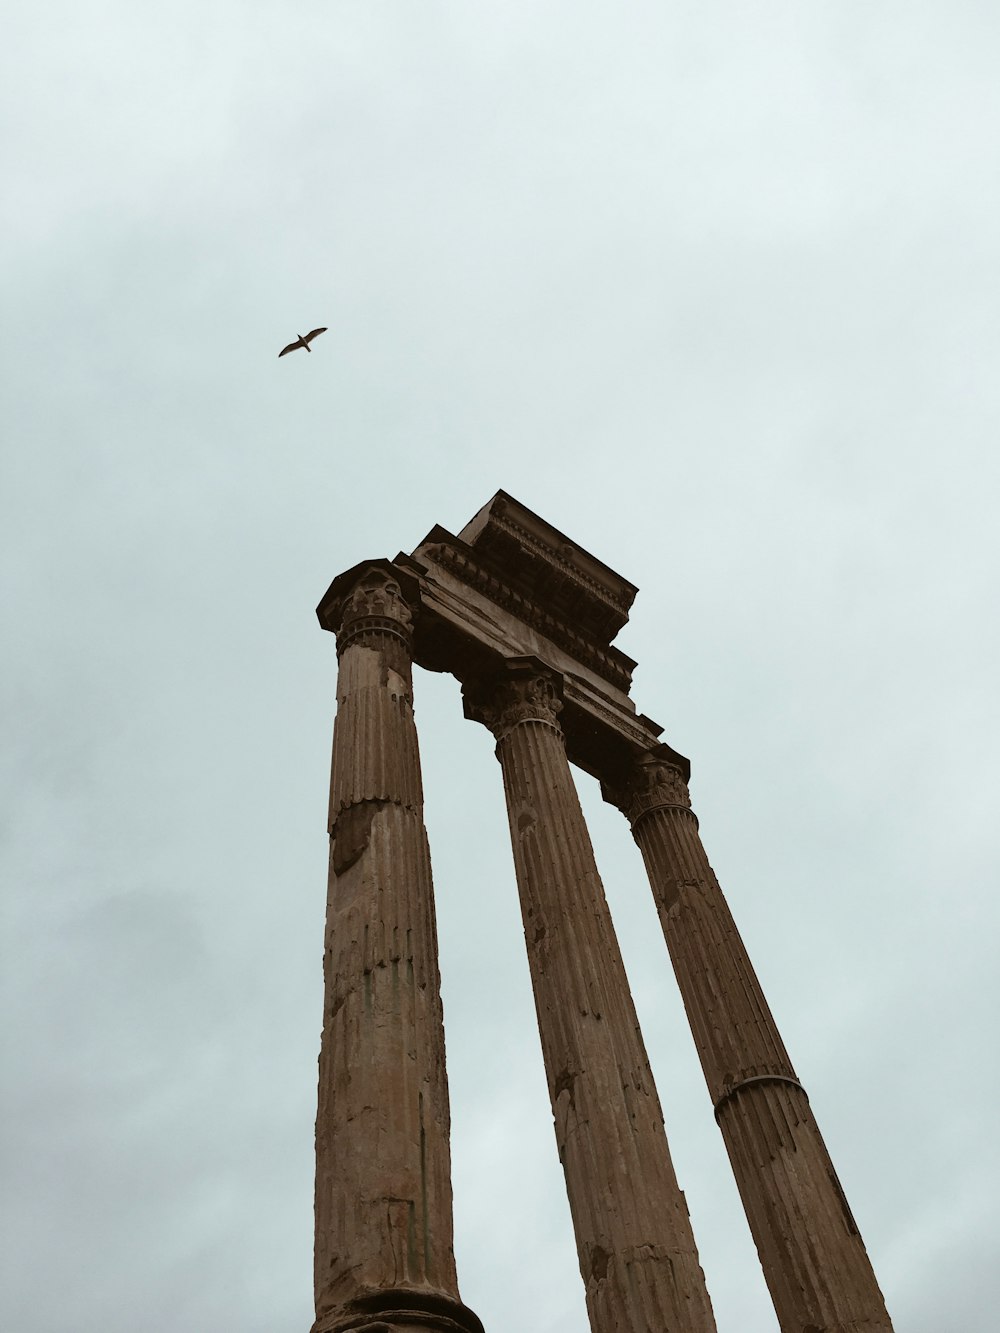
{"x": 713, "y": 289}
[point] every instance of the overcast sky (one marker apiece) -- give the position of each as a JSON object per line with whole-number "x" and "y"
{"x": 712, "y": 288}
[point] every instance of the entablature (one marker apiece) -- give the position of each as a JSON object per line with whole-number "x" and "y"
{"x": 511, "y": 586}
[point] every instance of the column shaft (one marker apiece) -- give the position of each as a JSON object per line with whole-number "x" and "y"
{"x": 383, "y": 1178}
{"x": 636, "y": 1249}
{"x": 814, "y": 1260}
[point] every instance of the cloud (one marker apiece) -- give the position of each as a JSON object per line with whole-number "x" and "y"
{"x": 715, "y": 294}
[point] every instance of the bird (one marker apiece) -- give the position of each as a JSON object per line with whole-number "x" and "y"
{"x": 302, "y": 341}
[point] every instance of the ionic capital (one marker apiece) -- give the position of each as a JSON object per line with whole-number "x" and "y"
{"x": 525, "y": 690}
{"x": 657, "y": 781}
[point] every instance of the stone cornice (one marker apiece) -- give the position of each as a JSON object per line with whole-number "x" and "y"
{"x": 609, "y": 663}
{"x": 561, "y": 557}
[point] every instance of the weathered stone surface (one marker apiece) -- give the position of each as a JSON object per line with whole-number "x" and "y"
{"x": 508, "y": 588}
{"x": 511, "y": 585}
{"x": 636, "y": 1249}
{"x": 814, "y": 1260}
{"x": 383, "y": 1184}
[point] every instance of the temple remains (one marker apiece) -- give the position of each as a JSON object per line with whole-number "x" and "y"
{"x": 525, "y": 619}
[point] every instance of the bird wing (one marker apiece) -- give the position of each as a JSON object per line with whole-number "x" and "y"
{"x": 290, "y": 348}
{"x": 314, "y": 334}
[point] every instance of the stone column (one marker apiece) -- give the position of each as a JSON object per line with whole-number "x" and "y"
{"x": 814, "y": 1260}
{"x": 633, "y": 1234}
{"x": 383, "y": 1172}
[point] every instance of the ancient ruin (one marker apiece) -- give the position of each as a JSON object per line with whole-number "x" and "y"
{"x": 525, "y": 619}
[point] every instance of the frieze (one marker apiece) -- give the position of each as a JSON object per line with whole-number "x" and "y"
{"x": 527, "y": 539}
{"x": 480, "y": 578}
{"x": 619, "y": 721}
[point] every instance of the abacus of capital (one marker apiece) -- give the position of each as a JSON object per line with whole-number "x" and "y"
{"x": 525, "y": 620}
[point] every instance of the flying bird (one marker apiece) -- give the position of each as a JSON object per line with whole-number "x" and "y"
{"x": 303, "y": 340}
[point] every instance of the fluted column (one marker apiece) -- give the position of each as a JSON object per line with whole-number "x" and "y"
{"x": 814, "y": 1260}
{"x": 383, "y": 1176}
{"x": 636, "y": 1249}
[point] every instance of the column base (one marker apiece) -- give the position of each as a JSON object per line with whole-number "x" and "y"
{"x": 400, "y": 1310}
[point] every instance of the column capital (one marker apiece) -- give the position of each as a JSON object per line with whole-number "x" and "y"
{"x": 374, "y": 596}
{"x": 657, "y": 780}
{"x": 523, "y": 690}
